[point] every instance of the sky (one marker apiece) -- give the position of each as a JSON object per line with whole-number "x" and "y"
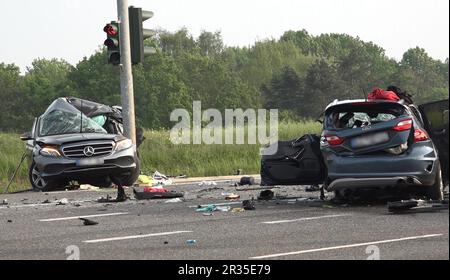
{"x": 72, "y": 29}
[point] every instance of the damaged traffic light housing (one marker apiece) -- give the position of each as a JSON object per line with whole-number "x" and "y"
{"x": 112, "y": 42}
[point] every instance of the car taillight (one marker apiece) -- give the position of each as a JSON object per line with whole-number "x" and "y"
{"x": 420, "y": 135}
{"x": 404, "y": 125}
{"x": 334, "y": 140}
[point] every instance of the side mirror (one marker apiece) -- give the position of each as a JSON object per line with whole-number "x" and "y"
{"x": 26, "y": 136}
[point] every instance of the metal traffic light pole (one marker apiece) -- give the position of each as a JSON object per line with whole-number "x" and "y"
{"x": 126, "y": 74}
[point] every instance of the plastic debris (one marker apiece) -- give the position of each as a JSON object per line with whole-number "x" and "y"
{"x": 266, "y": 195}
{"x": 9, "y": 221}
{"x": 88, "y": 222}
{"x": 174, "y": 200}
{"x": 144, "y": 179}
{"x": 238, "y": 210}
{"x": 5, "y": 202}
{"x": 208, "y": 214}
{"x": 87, "y": 187}
{"x": 161, "y": 179}
{"x": 207, "y": 183}
{"x": 156, "y": 194}
{"x": 248, "y": 205}
{"x": 247, "y": 181}
{"x": 232, "y": 196}
{"x": 212, "y": 208}
{"x": 191, "y": 242}
{"x": 62, "y": 201}
{"x": 208, "y": 208}
{"x": 416, "y": 206}
{"x": 223, "y": 208}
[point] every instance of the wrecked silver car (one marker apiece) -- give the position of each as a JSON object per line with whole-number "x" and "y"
{"x": 80, "y": 140}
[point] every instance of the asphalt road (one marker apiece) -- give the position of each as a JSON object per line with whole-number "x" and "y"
{"x": 153, "y": 229}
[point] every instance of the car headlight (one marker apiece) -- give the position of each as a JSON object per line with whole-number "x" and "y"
{"x": 123, "y": 144}
{"x": 50, "y": 152}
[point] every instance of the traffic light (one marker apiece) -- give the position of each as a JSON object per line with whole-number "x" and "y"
{"x": 138, "y": 34}
{"x": 112, "y": 42}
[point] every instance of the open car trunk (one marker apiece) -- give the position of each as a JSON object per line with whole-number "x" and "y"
{"x": 367, "y": 127}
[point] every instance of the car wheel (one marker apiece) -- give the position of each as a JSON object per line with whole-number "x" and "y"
{"x": 436, "y": 191}
{"x": 41, "y": 184}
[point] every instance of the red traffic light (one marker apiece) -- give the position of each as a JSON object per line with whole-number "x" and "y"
{"x": 111, "y": 30}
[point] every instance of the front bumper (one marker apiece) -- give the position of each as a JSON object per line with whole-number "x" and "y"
{"x": 117, "y": 163}
{"x": 415, "y": 167}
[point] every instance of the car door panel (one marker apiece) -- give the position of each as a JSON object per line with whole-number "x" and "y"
{"x": 435, "y": 115}
{"x": 296, "y": 162}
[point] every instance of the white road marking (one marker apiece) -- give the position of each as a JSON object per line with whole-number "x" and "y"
{"x": 305, "y": 219}
{"x": 85, "y": 216}
{"x": 346, "y": 246}
{"x": 135, "y": 236}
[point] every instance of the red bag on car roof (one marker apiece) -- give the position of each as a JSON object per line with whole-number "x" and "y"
{"x": 379, "y": 93}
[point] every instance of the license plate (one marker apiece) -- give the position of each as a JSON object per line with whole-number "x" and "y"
{"x": 90, "y": 161}
{"x": 368, "y": 140}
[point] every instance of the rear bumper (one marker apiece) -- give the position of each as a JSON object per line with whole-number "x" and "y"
{"x": 121, "y": 162}
{"x": 416, "y": 167}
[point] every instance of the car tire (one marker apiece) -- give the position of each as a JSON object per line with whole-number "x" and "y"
{"x": 436, "y": 191}
{"x": 40, "y": 184}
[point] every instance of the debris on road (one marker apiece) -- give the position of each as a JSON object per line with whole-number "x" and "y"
{"x": 161, "y": 179}
{"x": 207, "y": 183}
{"x": 9, "y": 221}
{"x": 266, "y": 195}
{"x": 248, "y": 204}
{"x": 208, "y": 214}
{"x": 212, "y": 208}
{"x": 88, "y": 222}
{"x": 247, "y": 181}
{"x": 145, "y": 179}
{"x": 208, "y": 208}
{"x": 62, "y": 201}
{"x": 257, "y": 188}
{"x": 5, "y": 202}
{"x": 237, "y": 210}
{"x": 232, "y": 196}
{"x": 416, "y": 206}
{"x": 121, "y": 196}
{"x": 223, "y": 208}
{"x": 191, "y": 241}
{"x": 87, "y": 187}
{"x": 312, "y": 188}
{"x": 174, "y": 200}
{"x": 156, "y": 194}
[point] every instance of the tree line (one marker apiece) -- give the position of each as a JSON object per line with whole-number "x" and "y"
{"x": 299, "y": 74}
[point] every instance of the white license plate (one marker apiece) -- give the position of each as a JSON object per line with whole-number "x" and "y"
{"x": 90, "y": 161}
{"x": 369, "y": 140}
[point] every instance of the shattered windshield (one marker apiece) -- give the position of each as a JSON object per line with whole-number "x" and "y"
{"x": 63, "y": 118}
